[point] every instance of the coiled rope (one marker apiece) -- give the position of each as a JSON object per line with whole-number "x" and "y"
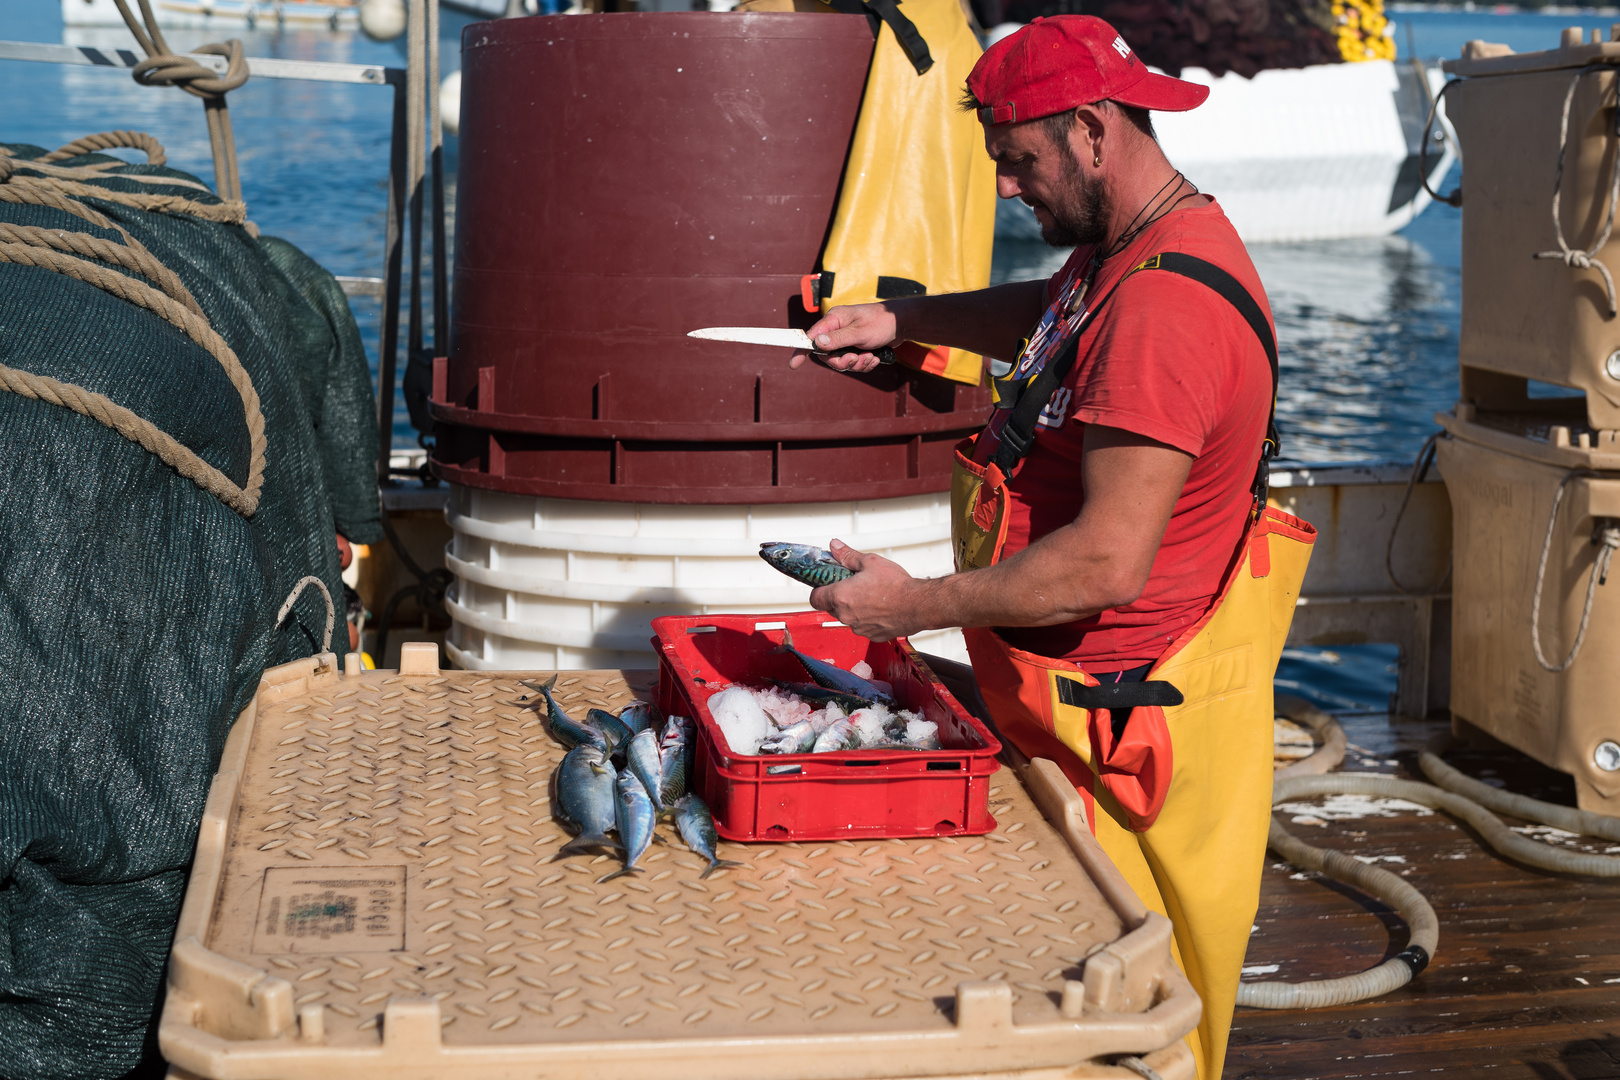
{"x": 1607, "y": 538}
{"x": 69, "y": 254}
{"x": 1574, "y": 257}
{"x": 1451, "y": 791}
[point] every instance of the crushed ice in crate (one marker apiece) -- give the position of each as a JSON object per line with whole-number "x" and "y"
{"x": 741, "y": 718}
{"x": 824, "y": 718}
{"x": 784, "y": 707}
{"x": 870, "y": 723}
{"x": 923, "y": 734}
{"x": 778, "y": 721}
{"x": 861, "y": 670}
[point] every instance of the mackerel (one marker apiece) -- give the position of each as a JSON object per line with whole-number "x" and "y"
{"x": 609, "y": 725}
{"x": 635, "y": 815}
{"x": 641, "y": 758}
{"x": 843, "y": 735}
{"x": 675, "y": 755}
{"x": 836, "y": 678}
{"x": 805, "y": 564}
{"x": 797, "y": 739}
{"x": 564, "y": 728}
{"x": 696, "y": 825}
{"x": 583, "y": 799}
{"x": 639, "y": 716}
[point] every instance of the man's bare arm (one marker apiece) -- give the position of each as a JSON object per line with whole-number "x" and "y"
{"x": 990, "y": 322}
{"x": 1101, "y": 560}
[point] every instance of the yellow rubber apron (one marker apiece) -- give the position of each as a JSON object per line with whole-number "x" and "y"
{"x": 1181, "y": 801}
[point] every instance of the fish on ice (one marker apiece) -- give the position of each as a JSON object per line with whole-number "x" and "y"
{"x": 836, "y": 678}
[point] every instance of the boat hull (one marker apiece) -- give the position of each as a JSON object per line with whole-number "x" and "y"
{"x": 1317, "y": 153}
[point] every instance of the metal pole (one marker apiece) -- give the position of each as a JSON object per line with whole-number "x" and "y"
{"x": 415, "y": 119}
{"x": 388, "y": 354}
{"x": 441, "y": 280}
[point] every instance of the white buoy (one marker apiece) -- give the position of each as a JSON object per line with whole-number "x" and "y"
{"x": 450, "y": 103}
{"x": 382, "y": 20}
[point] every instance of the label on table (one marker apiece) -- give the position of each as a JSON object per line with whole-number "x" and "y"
{"x": 331, "y": 910}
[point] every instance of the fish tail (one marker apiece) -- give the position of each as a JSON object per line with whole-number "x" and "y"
{"x": 618, "y": 874}
{"x": 585, "y": 841}
{"x": 546, "y": 686}
{"x": 718, "y": 864}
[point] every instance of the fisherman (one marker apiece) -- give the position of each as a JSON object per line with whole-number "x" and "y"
{"x": 1108, "y": 522}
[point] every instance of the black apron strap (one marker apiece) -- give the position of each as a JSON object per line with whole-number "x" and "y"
{"x": 905, "y": 31}
{"x": 1232, "y": 291}
{"x": 1124, "y": 695}
{"x": 1018, "y": 434}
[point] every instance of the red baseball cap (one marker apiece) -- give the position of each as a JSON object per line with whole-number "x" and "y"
{"x": 1059, "y": 62}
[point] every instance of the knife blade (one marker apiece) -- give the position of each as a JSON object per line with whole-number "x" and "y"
{"x": 781, "y": 336}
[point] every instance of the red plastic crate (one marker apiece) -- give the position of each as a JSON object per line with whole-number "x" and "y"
{"x": 831, "y": 796}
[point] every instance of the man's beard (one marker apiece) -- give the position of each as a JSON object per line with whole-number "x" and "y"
{"x": 1083, "y": 217}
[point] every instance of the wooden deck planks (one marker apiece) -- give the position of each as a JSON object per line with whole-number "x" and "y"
{"x": 1526, "y": 981}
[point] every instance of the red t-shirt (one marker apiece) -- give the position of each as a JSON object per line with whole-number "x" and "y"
{"x": 1169, "y": 359}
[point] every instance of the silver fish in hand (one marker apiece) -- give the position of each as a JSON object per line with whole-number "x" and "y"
{"x": 583, "y": 798}
{"x": 696, "y": 826}
{"x": 636, "y": 816}
{"x": 809, "y": 565}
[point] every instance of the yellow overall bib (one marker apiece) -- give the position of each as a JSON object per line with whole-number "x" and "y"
{"x": 1181, "y": 801}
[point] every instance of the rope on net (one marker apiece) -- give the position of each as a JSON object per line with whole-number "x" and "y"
{"x": 331, "y": 609}
{"x": 70, "y": 254}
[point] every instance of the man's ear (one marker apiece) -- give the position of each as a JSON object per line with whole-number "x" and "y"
{"x": 1086, "y": 137}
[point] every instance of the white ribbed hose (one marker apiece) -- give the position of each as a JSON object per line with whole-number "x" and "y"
{"x": 1458, "y": 795}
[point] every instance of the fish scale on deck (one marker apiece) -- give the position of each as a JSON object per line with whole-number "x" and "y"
{"x": 405, "y": 821}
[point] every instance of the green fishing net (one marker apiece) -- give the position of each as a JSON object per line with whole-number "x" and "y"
{"x": 136, "y": 609}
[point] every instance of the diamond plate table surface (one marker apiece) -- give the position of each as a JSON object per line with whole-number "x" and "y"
{"x": 383, "y": 841}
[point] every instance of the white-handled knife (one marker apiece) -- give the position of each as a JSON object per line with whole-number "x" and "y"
{"x": 781, "y": 336}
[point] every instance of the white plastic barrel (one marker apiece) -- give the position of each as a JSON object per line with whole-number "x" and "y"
{"x": 562, "y": 583}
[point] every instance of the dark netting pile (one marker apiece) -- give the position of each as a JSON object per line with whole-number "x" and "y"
{"x": 1245, "y": 36}
{"x": 136, "y": 608}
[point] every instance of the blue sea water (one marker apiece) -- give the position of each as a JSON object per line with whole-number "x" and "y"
{"x": 1367, "y": 329}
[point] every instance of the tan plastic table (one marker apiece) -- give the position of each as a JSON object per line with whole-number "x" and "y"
{"x": 376, "y": 893}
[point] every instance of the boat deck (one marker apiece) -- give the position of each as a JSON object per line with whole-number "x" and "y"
{"x": 1526, "y": 979}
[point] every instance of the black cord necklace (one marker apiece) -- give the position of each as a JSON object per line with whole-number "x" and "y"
{"x": 1133, "y": 230}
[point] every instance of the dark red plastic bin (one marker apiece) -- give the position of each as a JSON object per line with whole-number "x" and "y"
{"x": 832, "y": 796}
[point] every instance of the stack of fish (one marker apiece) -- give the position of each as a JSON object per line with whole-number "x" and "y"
{"x": 840, "y": 710}
{"x": 620, "y": 775}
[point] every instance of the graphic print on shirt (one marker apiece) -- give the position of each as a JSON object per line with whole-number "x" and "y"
{"x": 1057, "y": 410}
{"x": 1060, "y": 322}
